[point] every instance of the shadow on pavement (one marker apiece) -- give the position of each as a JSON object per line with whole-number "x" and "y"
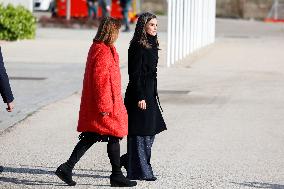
{"x": 48, "y": 167}
{"x": 26, "y": 170}
{"x": 39, "y": 183}
{"x": 260, "y": 185}
{"x": 26, "y": 182}
{"x": 44, "y": 171}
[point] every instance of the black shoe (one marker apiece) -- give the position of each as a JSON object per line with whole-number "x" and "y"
{"x": 65, "y": 174}
{"x": 1, "y": 169}
{"x": 123, "y": 162}
{"x": 151, "y": 179}
{"x": 121, "y": 181}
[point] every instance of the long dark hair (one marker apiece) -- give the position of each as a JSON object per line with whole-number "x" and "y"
{"x": 140, "y": 34}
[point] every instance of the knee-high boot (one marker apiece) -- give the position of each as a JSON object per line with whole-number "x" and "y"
{"x": 117, "y": 179}
{"x": 64, "y": 171}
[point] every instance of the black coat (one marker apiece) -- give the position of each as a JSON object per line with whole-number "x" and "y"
{"x": 5, "y": 88}
{"x": 142, "y": 71}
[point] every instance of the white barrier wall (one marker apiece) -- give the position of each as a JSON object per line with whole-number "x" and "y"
{"x": 191, "y": 26}
{"x": 26, "y": 3}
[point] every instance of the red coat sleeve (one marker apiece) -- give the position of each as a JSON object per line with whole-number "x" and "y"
{"x": 101, "y": 80}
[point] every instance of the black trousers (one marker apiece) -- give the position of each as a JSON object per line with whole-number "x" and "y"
{"x": 87, "y": 140}
{"x": 138, "y": 157}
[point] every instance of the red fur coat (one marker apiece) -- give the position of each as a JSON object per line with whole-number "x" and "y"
{"x": 102, "y": 93}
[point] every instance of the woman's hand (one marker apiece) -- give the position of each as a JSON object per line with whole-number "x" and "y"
{"x": 10, "y": 107}
{"x": 142, "y": 104}
{"x": 105, "y": 113}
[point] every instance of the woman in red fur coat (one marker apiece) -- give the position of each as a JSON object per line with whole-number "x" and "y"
{"x": 103, "y": 116}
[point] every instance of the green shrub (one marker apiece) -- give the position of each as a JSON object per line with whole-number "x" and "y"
{"x": 16, "y": 23}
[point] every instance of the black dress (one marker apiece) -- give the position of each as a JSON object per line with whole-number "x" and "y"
{"x": 143, "y": 125}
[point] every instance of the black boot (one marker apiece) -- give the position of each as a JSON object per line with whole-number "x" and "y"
{"x": 64, "y": 172}
{"x": 1, "y": 169}
{"x": 117, "y": 179}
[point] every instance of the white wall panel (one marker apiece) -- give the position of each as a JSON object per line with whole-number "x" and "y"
{"x": 191, "y": 26}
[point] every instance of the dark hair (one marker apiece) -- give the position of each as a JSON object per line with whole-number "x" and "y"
{"x": 140, "y": 34}
{"x": 108, "y": 30}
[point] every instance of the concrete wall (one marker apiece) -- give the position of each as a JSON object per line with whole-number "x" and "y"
{"x": 257, "y": 9}
{"x": 26, "y": 3}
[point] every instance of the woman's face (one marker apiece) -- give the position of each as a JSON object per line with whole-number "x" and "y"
{"x": 151, "y": 27}
{"x": 115, "y": 35}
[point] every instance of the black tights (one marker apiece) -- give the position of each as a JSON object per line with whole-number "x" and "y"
{"x": 113, "y": 150}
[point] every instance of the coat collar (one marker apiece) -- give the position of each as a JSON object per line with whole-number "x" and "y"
{"x": 112, "y": 50}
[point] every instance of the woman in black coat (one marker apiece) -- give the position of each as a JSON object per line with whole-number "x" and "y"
{"x": 141, "y": 99}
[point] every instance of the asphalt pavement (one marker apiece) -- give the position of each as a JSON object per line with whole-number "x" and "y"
{"x": 223, "y": 107}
